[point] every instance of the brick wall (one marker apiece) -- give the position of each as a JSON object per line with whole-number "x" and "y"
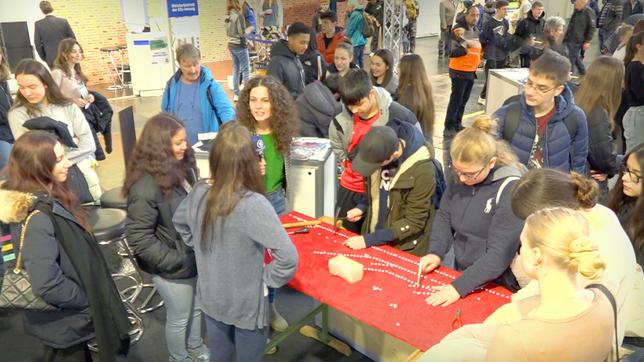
{"x": 98, "y": 24}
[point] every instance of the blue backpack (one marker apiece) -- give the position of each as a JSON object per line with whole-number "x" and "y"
{"x": 441, "y": 185}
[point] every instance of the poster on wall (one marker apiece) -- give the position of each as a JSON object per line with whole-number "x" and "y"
{"x": 184, "y": 21}
{"x": 159, "y": 51}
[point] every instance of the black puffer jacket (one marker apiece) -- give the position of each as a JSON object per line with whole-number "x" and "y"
{"x": 151, "y": 234}
{"x": 316, "y": 107}
{"x": 287, "y": 68}
{"x": 601, "y": 154}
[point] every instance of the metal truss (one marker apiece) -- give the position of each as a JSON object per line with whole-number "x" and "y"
{"x": 394, "y": 21}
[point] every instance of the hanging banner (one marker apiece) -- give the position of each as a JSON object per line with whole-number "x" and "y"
{"x": 181, "y": 8}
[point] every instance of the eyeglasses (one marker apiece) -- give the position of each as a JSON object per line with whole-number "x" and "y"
{"x": 631, "y": 174}
{"x": 467, "y": 175}
{"x": 539, "y": 88}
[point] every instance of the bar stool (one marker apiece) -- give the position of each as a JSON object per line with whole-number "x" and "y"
{"x": 108, "y": 226}
{"x": 126, "y": 73}
{"x": 108, "y": 56}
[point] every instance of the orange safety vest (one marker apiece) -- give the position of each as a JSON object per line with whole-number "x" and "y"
{"x": 468, "y": 62}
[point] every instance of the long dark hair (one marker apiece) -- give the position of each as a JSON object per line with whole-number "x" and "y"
{"x": 4, "y": 67}
{"x": 52, "y": 92}
{"x": 617, "y": 201}
{"x": 152, "y": 154}
{"x": 30, "y": 167}
{"x": 415, "y": 91}
{"x": 62, "y": 58}
{"x": 605, "y": 73}
{"x": 284, "y": 117}
{"x": 388, "y": 58}
{"x": 631, "y": 46}
{"x": 234, "y": 166}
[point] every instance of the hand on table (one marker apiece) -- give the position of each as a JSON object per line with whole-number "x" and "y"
{"x": 444, "y": 296}
{"x": 429, "y": 262}
{"x": 354, "y": 214}
{"x": 355, "y": 242}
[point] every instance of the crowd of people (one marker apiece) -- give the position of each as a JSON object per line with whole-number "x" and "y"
{"x": 543, "y": 197}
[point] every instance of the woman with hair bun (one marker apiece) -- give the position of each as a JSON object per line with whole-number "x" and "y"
{"x": 554, "y": 254}
{"x": 545, "y": 188}
{"x": 475, "y": 216}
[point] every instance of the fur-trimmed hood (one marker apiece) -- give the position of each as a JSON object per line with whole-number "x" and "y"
{"x": 15, "y": 205}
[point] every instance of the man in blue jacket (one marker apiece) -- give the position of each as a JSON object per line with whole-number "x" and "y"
{"x": 544, "y": 126}
{"x": 194, "y": 97}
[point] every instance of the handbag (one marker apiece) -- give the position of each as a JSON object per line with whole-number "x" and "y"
{"x": 17, "y": 293}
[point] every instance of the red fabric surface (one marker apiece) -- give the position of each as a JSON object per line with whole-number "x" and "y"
{"x": 370, "y": 300}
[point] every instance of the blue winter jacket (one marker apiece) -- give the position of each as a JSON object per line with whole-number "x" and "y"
{"x": 354, "y": 28}
{"x": 217, "y": 109}
{"x": 562, "y": 151}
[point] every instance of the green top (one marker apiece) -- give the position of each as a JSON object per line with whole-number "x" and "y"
{"x": 274, "y": 176}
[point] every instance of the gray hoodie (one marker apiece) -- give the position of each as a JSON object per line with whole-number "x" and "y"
{"x": 232, "y": 276}
{"x": 316, "y": 107}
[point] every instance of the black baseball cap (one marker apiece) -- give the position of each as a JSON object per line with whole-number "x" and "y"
{"x": 376, "y": 147}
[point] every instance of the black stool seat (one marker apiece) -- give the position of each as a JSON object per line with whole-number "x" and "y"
{"x": 107, "y": 224}
{"x": 112, "y": 199}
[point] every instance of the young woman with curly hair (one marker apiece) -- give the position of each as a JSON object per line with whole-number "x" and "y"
{"x": 160, "y": 174}
{"x": 267, "y": 109}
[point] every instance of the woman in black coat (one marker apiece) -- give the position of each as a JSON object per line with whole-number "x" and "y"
{"x": 605, "y": 74}
{"x": 159, "y": 176}
{"x": 60, "y": 255}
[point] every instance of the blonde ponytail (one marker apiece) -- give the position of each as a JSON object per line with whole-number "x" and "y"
{"x": 477, "y": 144}
{"x": 562, "y": 234}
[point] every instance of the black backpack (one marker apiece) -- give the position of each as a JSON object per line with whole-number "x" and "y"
{"x": 441, "y": 185}
{"x": 513, "y": 116}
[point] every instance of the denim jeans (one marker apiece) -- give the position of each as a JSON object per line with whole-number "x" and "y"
{"x": 5, "y": 150}
{"x": 461, "y": 90}
{"x": 241, "y": 64}
{"x": 574, "y": 54}
{"x": 277, "y": 198}
{"x": 183, "y": 318}
{"x": 358, "y": 55}
{"x": 224, "y": 339}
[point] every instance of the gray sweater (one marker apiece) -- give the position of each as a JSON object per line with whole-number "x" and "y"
{"x": 232, "y": 278}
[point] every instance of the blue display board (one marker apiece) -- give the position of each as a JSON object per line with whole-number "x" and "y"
{"x": 181, "y": 8}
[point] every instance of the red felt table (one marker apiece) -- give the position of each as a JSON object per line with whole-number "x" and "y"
{"x": 387, "y": 298}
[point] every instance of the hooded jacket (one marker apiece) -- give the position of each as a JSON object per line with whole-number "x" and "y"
{"x": 329, "y": 51}
{"x": 355, "y": 24}
{"x": 52, "y": 274}
{"x": 408, "y": 212}
{"x": 314, "y": 66}
{"x": 213, "y": 102}
{"x": 287, "y": 68}
{"x": 156, "y": 244}
{"x": 530, "y": 26}
{"x": 316, "y": 107}
{"x": 561, "y": 150}
{"x": 341, "y": 130}
{"x": 484, "y": 233}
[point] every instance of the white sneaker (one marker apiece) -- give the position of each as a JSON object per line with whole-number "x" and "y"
{"x": 235, "y": 98}
{"x": 481, "y": 101}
